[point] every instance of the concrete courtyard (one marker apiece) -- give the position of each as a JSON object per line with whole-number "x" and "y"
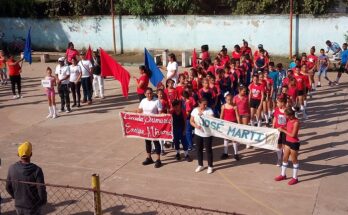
{"x": 88, "y": 140}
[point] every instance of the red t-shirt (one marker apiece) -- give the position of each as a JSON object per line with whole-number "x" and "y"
{"x": 211, "y": 69}
{"x": 280, "y": 118}
{"x": 256, "y": 91}
{"x": 171, "y": 95}
{"x": 300, "y": 82}
{"x": 306, "y": 81}
{"x": 311, "y": 61}
{"x": 189, "y": 104}
{"x": 165, "y": 105}
{"x": 230, "y": 115}
{"x": 205, "y": 56}
{"x": 289, "y": 128}
{"x": 71, "y": 53}
{"x": 180, "y": 90}
{"x": 286, "y": 81}
{"x": 245, "y": 50}
{"x": 269, "y": 85}
{"x": 225, "y": 59}
{"x": 145, "y": 80}
{"x": 236, "y": 55}
{"x": 292, "y": 93}
{"x": 13, "y": 70}
{"x": 242, "y": 105}
{"x": 194, "y": 85}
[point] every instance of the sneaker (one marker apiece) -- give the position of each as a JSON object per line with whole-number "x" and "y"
{"x": 188, "y": 158}
{"x": 320, "y": 85}
{"x": 15, "y": 97}
{"x": 54, "y": 116}
{"x": 224, "y": 156}
{"x": 61, "y": 110}
{"x": 96, "y": 96}
{"x": 336, "y": 83}
{"x": 158, "y": 164}
{"x": 67, "y": 111}
{"x": 177, "y": 156}
{"x": 148, "y": 161}
{"x": 102, "y": 97}
{"x": 248, "y": 146}
{"x": 74, "y": 105}
{"x": 293, "y": 181}
{"x": 78, "y": 105}
{"x": 210, "y": 170}
{"x": 279, "y": 163}
{"x": 48, "y": 116}
{"x": 89, "y": 102}
{"x": 236, "y": 157}
{"x": 199, "y": 168}
{"x": 20, "y": 96}
{"x": 280, "y": 178}
{"x": 83, "y": 101}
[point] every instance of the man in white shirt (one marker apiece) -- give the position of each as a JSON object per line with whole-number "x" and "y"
{"x": 86, "y": 67}
{"x": 62, "y": 75}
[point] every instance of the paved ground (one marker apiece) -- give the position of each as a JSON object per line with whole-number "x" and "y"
{"x": 88, "y": 140}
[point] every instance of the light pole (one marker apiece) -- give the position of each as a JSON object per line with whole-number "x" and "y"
{"x": 113, "y": 25}
{"x": 291, "y": 14}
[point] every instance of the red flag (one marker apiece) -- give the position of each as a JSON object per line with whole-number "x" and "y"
{"x": 110, "y": 67}
{"x": 194, "y": 59}
{"x": 89, "y": 53}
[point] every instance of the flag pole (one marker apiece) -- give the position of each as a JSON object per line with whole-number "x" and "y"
{"x": 291, "y": 14}
{"x": 113, "y": 25}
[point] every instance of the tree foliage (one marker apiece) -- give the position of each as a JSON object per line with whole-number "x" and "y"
{"x": 56, "y": 8}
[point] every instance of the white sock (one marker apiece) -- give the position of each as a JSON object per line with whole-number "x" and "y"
{"x": 258, "y": 123}
{"x": 252, "y": 122}
{"x": 235, "y": 147}
{"x": 284, "y": 166}
{"x": 162, "y": 145}
{"x": 266, "y": 118}
{"x": 301, "y": 107}
{"x": 186, "y": 153}
{"x": 295, "y": 170}
{"x": 319, "y": 83}
{"x": 337, "y": 79}
{"x": 49, "y": 112}
{"x": 226, "y": 146}
{"x": 269, "y": 114}
{"x": 279, "y": 154}
{"x": 305, "y": 103}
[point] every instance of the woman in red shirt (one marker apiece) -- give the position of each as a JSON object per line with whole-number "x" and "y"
{"x": 71, "y": 53}
{"x": 301, "y": 88}
{"x": 142, "y": 81}
{"x": 236, "y": 54}
{"x": 312, "y": 65}
{"x": 256, "y": 95}
{"x": 242, "y": 102}
{"x": 14, "y": 72}
{"x": 292, "y": 146}
{"x": 229, "y": 112}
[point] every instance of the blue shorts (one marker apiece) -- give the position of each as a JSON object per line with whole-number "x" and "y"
{"x": 322, "y": 70}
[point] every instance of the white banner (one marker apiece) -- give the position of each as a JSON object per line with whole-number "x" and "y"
{"x": 260, "y": 137}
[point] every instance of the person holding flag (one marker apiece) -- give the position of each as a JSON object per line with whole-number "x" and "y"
{"x": 70, "y": 53}
{"x": 14, "y": 72}
{"x": 98, "y": 80}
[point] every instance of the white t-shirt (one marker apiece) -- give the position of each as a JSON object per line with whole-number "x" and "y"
{"x": 62, "y": 72}
{"x": 150, "y": 107}
{"x": 172, "y": 66}
{"x": 198, "y": 120}
{"x": 86, "y": 66}
{"x": 74, "y": 72}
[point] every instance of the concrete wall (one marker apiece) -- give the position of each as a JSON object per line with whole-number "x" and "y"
{"x": 179, "y": 32}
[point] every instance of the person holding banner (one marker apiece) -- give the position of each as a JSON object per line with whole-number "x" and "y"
{"x": 201, "y": 138}
{"x": 151, "y": 105}
{"x": 292, "y": 146}
{"x": 142, "y": 81}
{"x": 279, "y": 121}
{"x": 229, "y": 112}
{"x": 51, "y": 94}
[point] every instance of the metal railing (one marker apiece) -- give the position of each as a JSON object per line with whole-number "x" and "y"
{"x": 79, "y": 200}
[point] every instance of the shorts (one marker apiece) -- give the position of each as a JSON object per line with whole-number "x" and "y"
{"x": 342, "y": 68}
{"x": 293, "y": 146}
{"x": 3, "y": 71}
{"x": 244, "y": 116}
{"x": 254, "y": 103}
{"x": 322, "y": 70}
{"x": 50, "y": 92}
{"x": 300, "y": 92}
{"x": 282, "y": 138}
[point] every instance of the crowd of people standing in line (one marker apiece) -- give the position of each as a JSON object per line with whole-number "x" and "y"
{"x": 245, "y": 88}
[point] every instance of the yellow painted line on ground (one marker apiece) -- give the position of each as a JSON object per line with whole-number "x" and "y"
{"x": 230, "y": 182}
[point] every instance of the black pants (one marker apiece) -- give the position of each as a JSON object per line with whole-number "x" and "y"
{"x": 149, "y": 146}
{"x": 16, "y": 79}
{"x": 87, "y": 88}
{"x": 202, "y": 142}
{"x": 76, "y": 91}
{"x": 63, "y": 91}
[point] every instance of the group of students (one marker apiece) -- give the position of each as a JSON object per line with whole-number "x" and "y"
{"x": 242, "y": 88}
{"x": 69, "y": 75}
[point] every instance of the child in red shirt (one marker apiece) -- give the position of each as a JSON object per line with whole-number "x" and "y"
{"x": 171, "y": 93}
{"x": 256, "y": 96}
{"x": 279, "y": 121}
{"x": 181, "y": 85}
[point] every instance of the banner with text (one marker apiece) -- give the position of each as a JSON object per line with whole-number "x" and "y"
{"x": 150, "y": 127}
{"x": 260, "y": 137}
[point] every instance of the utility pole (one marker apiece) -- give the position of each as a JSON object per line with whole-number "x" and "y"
{"x": 291, "y": 14}
{"x": 113, "y": 25}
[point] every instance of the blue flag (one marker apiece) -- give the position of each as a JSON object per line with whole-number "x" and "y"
{"x": 156, "y": 76}
{"x": 27, "y": 48}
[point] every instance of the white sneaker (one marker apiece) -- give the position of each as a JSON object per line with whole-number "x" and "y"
{"x": 102, "y": 97}
{"x": 210, "y": 170}
{"x": 67, "y": 111}
{"x": 199, "y": 168}
{"x": 54, "y": 116}
{"x": 96, "y": 96}
{"x": 248, "y": 146}
{"x": 20, "y": 96}
{"x": 49, "y": 116}
{"x": 15, "y": 97}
